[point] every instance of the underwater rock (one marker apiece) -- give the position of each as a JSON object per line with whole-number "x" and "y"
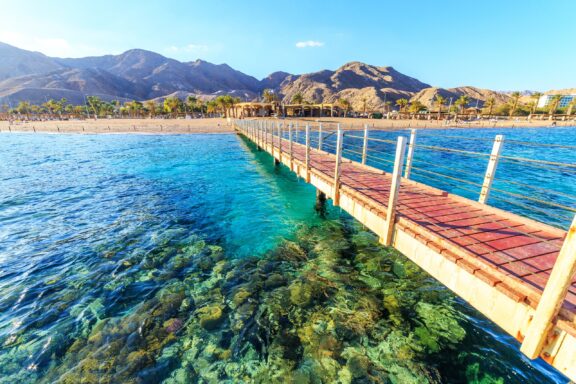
{"x": 273, "y": 281}
{"x": 239, "y": 298}
{"x": 300, "y": 294}
{"x": 173, "y": 325}
{"x": 210, "y": 317}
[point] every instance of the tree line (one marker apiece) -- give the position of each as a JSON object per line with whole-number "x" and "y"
{"x": 489, "y": 107}
{"x": 224, "y": 105}
{"x": 94, "y": 106}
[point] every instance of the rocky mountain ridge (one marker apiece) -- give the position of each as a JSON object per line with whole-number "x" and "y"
{"x": 142, "y": 75}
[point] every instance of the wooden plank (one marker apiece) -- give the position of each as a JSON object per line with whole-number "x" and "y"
{"x": 552, "y": 297}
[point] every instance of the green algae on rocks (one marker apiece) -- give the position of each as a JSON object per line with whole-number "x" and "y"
{"x": 331, "y": 306}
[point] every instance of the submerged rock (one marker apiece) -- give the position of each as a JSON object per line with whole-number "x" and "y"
{"x": 210, "y": 317}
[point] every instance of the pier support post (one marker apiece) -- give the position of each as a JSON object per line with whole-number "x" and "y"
{"x": 320, "y": 206}
{"x": 307, "y": 153}
{"x": 410, "y": 154}
{"x": 337, "y": 170}
{"x": 552, "y": 297}
{"x": 365, "y": 144}
{"x": 320, "y": 138}
{"x": 394, "y": 189}
{"x": 491, "y": 169}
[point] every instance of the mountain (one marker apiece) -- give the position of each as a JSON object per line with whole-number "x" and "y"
{"x": 19, "y": 62}
{"x": 71, "y": 83}
{"x": 139, "y": 74}
{"x": 477, "y": 96}
{"x": 355, "y": 81}
{"x": 164, "y": 76}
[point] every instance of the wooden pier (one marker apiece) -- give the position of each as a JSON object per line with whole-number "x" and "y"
{"x": 516, "y": 271}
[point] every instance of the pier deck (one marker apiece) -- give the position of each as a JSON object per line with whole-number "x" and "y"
{"x": 497, "y": 261}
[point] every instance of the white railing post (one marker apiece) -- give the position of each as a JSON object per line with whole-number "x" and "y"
{"x": 337, "y": 170}
{"x": 280, "y": 142}
{"x": 491, "y": 169}
{"x": 394, "y": 189}
{"x": 290, "y": 146}
{"x": 297, "y": 132}
{"x": 320, "y": 138}
{"x": 272, "y": 137}
{"x": 552, "y": 297}
{"x": 307, "y": 153}
{"x": 365, "y": 144}
{"x": 410, "y": 155}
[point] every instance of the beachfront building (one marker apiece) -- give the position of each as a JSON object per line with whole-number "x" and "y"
{"x": 565, "y": 101}
{"x": 313, "y": 110}
{"x": 257, "y": 109}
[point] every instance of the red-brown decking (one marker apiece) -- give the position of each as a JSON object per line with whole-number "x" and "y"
{"x": 513, "y": 254}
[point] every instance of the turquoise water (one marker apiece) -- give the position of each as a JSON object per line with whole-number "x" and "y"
{"x": 127, "y": 258}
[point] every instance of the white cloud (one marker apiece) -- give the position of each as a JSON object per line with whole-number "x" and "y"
{"x": 309, "y": 44}
{"x": 51, "y": 46}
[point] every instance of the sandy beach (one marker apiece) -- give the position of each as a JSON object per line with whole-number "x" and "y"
{"x": 106, "y": 126}
{"x": 220, "y": 125}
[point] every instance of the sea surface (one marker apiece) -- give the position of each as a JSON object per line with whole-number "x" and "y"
{"x": 192, "y": 258}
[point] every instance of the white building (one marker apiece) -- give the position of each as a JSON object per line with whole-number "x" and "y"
{"x": 544, "y": 100}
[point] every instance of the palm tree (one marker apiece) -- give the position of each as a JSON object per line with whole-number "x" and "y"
{"x": 268, "y": 95}
{"x": 133, "y": 107}
{"x": 416, "y": 107}
{"x": 224, "y": 103}
{"x": 571, "y": 106}
{"x": 462, "y": 102}
{"x": 344, "y": 103}
{"x": 297, "y": 98}
{"x": 364, "y": 100}
{"x": 515, "y": 98}
{"x": 402, "y": 103}
{"x": 95, "y": 104}
{"x": 23, "y": 108}
{"x": 201, "y": 106}
{"x": 554, "y": 105}
{"x": 150, "y": 106}
{"x": 191, "y": 102}
{"x": 536, "y": 96}
{"x": 388, "y": 106}
{"x": 51, "y": 106}
{"x": 439, "y": 101}
{"x": 171, "y": 105}
{"x": 211, "y": 107}
{"x": 490, "y": 105}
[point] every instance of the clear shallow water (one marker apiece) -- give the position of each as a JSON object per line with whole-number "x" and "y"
{"x": 129, "y": 258}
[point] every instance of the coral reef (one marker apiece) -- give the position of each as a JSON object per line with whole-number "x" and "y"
{"x": 329, "y": 306}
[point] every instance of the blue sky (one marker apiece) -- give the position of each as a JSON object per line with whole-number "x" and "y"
{"x": 502, "y": 45}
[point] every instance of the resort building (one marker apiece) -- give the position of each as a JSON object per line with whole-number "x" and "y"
{"x": 544, "y": 100}
{"x": 255, "y": 109}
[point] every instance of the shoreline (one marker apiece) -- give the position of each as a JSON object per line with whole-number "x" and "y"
{"x": 221, "y": 126}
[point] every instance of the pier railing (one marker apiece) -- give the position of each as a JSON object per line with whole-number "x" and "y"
{"x": 478, "y": 168}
